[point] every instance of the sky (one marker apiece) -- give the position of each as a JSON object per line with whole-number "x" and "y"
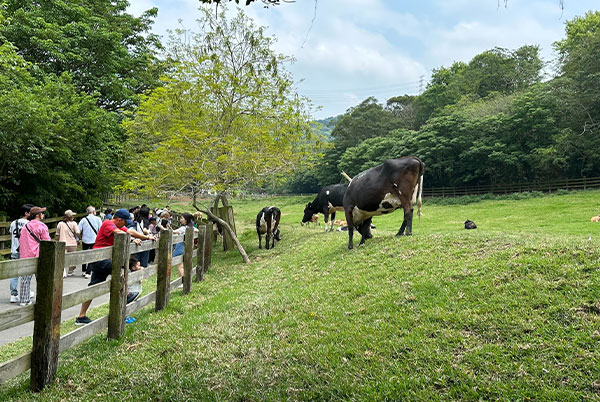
{"x": 348, "y": 50}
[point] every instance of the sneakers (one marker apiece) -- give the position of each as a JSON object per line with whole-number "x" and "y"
{"x": 87, "y": 276}
{"x": 25, "y": 304}
{"x": 82, "y": 320}
{"x": 16, "y": 299}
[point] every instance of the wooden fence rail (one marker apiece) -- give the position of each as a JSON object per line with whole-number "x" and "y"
{"x": 50, "y": 301}
{"x": 584, "y": 183}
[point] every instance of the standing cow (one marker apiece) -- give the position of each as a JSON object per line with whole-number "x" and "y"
{"x": 267, "y": 222}
{"x": 383, "y": 189}
{"x": 329, "y": 200}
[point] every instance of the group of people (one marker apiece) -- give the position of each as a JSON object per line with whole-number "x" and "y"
{"x": 95, "y": 232}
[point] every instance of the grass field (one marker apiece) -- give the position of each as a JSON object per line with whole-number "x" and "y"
{"x": 509, "y": 311}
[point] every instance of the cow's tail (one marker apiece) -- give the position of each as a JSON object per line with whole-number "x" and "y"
{"x": 418, "y": 193}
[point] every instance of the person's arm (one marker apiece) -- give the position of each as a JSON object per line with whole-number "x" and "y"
{"x": 45, "y": 234}
{"x": 140, "y": 236}
{"x": 57, "y": 233}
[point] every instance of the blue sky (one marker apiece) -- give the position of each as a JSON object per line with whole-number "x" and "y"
{"x": 382, "y": 48}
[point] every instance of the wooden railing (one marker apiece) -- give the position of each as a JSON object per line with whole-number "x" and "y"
{"x": 584, "y": 183}
{"x": 50, "y": 301}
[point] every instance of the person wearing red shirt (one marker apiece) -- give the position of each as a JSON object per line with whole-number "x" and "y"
{"x": 106, "y": 238}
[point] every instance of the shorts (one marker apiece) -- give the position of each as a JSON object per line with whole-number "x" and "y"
{"x": 100, "y": 271}
{"x": 178, "y": 249}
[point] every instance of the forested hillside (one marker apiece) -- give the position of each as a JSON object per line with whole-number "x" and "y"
{"x": 494, "y": 119}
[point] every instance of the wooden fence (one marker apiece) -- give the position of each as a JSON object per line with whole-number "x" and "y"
{"x": 50, "y": 301}
{"x": 584, "y": 183}
{"x": 5, "y": 235}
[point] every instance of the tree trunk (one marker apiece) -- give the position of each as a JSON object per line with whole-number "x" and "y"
{"x": 224, "y": 224}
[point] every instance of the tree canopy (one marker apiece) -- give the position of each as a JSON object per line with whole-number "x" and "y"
{"x": 227, "y": 118}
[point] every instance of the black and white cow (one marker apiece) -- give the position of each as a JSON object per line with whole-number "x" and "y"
{"x": 396, "y": 183}
{"x": 329, "y": 200}
{"x": 267, "y": 222}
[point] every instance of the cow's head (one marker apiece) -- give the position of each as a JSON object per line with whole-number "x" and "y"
{"x": 277, "y": 234}
{"x": 308, "y": 213}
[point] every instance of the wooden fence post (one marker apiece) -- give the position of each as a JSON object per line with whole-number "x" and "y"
{"x": 47, "y": 314}
{"x": 118, "y": 286}
{"x": 202, "y": 233}
{"x": 206, "y": 253}
{"x": 187, "y": 260}
{"x": 163, "y": 274}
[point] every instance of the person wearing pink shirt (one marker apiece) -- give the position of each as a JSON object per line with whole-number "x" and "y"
{"x": 32, "y": 235}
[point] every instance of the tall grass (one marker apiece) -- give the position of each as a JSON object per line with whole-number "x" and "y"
{"x": 509, "y": 311}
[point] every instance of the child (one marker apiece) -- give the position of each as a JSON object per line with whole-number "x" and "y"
{"x": 136, "y": 288}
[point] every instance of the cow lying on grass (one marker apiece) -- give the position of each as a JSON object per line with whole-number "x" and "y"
{"x": 267, "y": 222}
{"x": 595, "y": 218}
{"x": 396, "y": 183}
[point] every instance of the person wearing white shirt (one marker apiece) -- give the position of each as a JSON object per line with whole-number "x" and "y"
{"x": 15, "y": 232}
{"x": 88, "y": 227}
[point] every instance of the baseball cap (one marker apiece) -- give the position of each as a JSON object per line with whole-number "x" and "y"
{"x": 69, "y": 213}
{"x": 36, "y": 210}
{"x": 123, "y": 214}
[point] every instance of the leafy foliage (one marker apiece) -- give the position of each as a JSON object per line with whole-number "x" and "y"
{"x": 227, "y": 117}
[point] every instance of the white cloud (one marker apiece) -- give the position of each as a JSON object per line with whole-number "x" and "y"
{"x": 386, "y": 45}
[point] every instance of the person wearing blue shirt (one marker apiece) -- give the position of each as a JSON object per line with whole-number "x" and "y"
{"x": 89, "y": 228}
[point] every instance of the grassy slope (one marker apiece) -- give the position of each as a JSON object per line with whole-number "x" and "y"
{"x": 508, "y": 311}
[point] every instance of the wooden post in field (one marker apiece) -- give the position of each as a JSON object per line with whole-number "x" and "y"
{"x": 206, "y": 253}
{"x": 187, "y": 260}
{"x": 203, "y": 231}
{"x": 118, "y": 286}
{"x": 46, "y": 314}
{"x": 163, "y": 275}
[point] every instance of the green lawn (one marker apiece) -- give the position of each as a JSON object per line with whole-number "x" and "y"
{"x": 509, "y": 311}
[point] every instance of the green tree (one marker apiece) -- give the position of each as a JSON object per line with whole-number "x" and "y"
{"x": 227, "y": 118}
{"x": 108, "y": 52}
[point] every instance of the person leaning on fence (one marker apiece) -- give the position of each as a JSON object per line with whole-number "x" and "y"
{"x": 89, "y": 227}
{"x": 68, "y": 232}
{"x": 106, "y": 238}
{"x": 32, "y": 235}
{"x": 142, "y": 223}
{"x": 186, "y": 221}
{"x": 15, "y": 233}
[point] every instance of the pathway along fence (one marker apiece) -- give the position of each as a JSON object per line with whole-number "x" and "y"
{"x": 584, "y": 183}
{"x": 5, "y": 235}
{"x": 50, "y": 301}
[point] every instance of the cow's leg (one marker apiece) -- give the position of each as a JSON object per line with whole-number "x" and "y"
{"x": 332, "y": 221}
{"x": 259, "y": 238}
{"x": 365, "y": 229}
{"x": 268, "y": 235}
{"x": 406, "y": 223}
{"x": 350, "y": 223}
{"x": 326, "y": 213}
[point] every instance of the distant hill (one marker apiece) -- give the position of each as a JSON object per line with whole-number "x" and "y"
{"x": 325, "y": 126}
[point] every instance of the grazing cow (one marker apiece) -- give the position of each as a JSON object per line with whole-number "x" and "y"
{"x": 470, "y": 224}
{"x": 329, "y": 200}
{"x": 267, "y": 222}
{"x": 396, "y": 183}
{"x": 314, "y": 219}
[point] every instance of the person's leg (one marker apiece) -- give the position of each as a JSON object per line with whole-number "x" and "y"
{"x": 85, "y": 268}
{"x": 70, "y": 249}
{"x": 100, "y": 271}
{"x": 14, "y": 282}
{"x": 24, "y": 292}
